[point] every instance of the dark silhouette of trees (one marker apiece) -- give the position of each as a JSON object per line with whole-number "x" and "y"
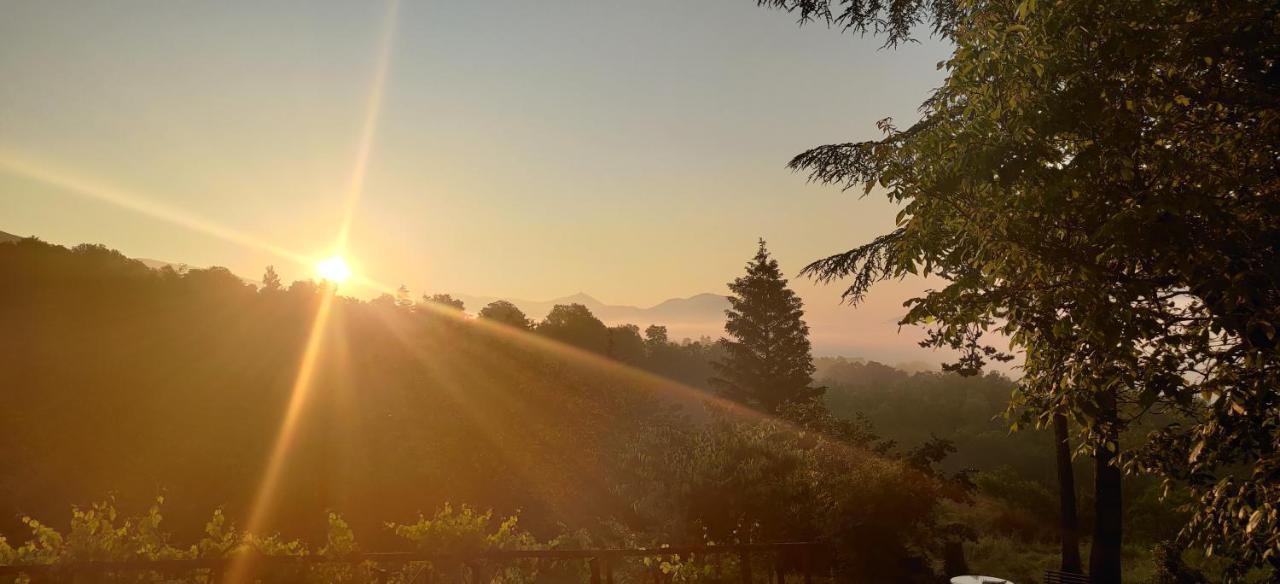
{"x": 574, "y": 324}
{"x": 767, "y": 362}
{"x": 271, "y": 280}
{"x": 625, "y": 344}
{"x": 656, "y": 335}
{"x": 504, "y": 312}
{"x": 446, "y": 301}
{"x": 690, "y": 362}
{"x": 121, "y": 379}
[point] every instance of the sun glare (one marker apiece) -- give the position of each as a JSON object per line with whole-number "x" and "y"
{"x": 333, "y": 269}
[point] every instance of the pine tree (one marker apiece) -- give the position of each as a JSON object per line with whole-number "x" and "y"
{"x": 271, "y": 280}
{"x": 767, "y": 361}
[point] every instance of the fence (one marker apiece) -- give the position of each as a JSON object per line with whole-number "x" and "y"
{"x": 801, "y": 559}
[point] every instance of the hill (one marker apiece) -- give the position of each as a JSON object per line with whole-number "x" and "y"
{"x": 697, "y": 316}
{"x": 132, "y": 379}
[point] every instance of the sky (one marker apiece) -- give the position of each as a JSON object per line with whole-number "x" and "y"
{"x": 631, "y": 150}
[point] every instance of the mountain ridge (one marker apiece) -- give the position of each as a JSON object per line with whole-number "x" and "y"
{"x": 696, "y": 316}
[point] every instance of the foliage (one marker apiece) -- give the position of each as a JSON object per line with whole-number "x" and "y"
{"x": 739, "y": 482}
{"x": 340, "y": 540}
{"x": 573, "y": 324}
{"x": 1097, "y": 182}
{"x": 466, "y": 531}
{"x": 504, "y": 312}
{"x": 909, "y": 408}
{"x": 626, "y": 345}
{"x": 98, "y": 533}
{"x": 463, "y": 531}
{"x": 895, "y": 19}
{"x": 445, "y": 301}
{"x": 119, "y": 378}
{"x": 767, "y": 362}
{"x": 220, "y": 538}
{"x": 271, "y": 280}
{"x": 407, "y": 415}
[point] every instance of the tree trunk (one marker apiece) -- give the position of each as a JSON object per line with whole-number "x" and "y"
{"x": 1104, "y": 556}
{"x": 1067, "y": 497}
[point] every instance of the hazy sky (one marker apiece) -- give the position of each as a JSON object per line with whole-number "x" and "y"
{"x": 631, "y": 150}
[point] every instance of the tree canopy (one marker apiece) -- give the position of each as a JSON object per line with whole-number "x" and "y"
{"x": 573, "y": 324}
{"x": 504, "y": 312}
{"x": 1098, "y": 183}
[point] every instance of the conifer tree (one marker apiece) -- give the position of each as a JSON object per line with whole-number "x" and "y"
{"x": 271, "y": 280}
{"x": 767, "y": 363}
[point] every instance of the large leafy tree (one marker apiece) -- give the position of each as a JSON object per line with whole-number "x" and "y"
{"x": 574, "y": 324}
{"x": 504, "y": 312}
{"x": 1098, "y": 182}
{"x": 767, "y": 362}
{"x": 440, "y": 300}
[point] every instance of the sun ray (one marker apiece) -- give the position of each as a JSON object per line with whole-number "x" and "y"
{"x": 693, "y": 399}
{"x": 460, "y": 382}
{"x": 81, "y": 186}
{"x": 601, "y": 363}
{"x": 369, "y": 128}
{"x": 260, "y": 512}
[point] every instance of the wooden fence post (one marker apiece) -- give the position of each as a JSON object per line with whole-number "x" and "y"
{"x": 595, "y": 570}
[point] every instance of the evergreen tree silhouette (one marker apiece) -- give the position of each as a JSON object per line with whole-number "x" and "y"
{"x": 271, "y": 280}
{"x": 768, "y": 363}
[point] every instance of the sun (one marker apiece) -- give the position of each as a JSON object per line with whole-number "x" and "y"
{"x": 333, "y": 269}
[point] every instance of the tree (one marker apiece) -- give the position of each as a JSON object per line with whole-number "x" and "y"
{"x": 271, "y": 280}
{"x": 767, "y": 362}
{"x": 655, "y": 335}
{"x": 1069, "y": 519}
{"x": 445, "y": 301}
{"x": 625, "y": 343}
{"x": 574, "y": 324}
{"x": 1098, "y": 182}
{"x": 897, "y": 20}
{"x": 503, "y": 312}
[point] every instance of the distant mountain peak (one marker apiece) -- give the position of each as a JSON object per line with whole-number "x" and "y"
{"x": 703, "y": 299}
{"x": 579, "y": 298}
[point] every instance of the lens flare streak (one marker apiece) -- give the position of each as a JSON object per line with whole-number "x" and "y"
{"x": 70, "y": 183}
{"x": 260, "y": 512}
{"x": 373, "y": 110}
{"x": 298, "y": 397}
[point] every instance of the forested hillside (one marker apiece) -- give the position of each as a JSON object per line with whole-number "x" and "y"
{"x": 121, "y": 379}
{"x": 127, "y": 383}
